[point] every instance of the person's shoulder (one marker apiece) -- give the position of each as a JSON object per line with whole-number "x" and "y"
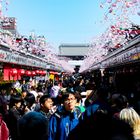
{"x": 78, "y": 111}
{"x": 93, "y": 106}
{"x": 91, "y": 109}
{"x": 33, "y": 115}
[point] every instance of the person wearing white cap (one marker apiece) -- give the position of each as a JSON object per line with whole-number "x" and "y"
{"x": 84, "y": 96}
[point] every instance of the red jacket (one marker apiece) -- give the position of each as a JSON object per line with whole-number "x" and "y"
{"x": 4, "y": 131}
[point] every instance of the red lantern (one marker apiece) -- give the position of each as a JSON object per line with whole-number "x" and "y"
{"x": 40, "y": 72}
{"x": 37, "y": 72}
{"x": 33, "y": 73}
{"x": 43, "y": 72}
{"x": 56, "y": 73}
{"x": 13, "y": 72}
{"x": 51, "y": 72}
{"x": 28, "y": 73}
{"x": 22, "y": 71}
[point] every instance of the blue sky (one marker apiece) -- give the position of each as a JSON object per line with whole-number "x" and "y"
{"x": 60, "y": 21}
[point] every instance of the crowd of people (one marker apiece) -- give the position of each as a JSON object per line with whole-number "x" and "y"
{"x": 76, "y": 108}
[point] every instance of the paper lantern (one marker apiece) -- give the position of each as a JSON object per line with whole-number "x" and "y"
{"x": 28, "y": 73}
{"x": 40, "y": 72}
{"x": 33, "y": 73}
{"x": 43, "y": 72}
{"x": 21, "y": 71}
{"x": 37, "y": 72}
{"x": 13, "y": 72}
{"x": 56, "y": 73}
{"x": 52, "y": 72}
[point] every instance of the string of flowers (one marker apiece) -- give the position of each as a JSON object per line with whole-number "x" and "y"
{"x": 120, "y": 31}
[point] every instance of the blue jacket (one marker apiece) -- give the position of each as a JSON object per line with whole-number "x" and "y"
{"x": 68, "y": 122}
{"x": 62, "y": 123}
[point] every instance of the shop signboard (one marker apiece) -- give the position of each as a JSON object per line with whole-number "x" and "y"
{"x": 10, "y": 57}
{"x": 123, "y": 57}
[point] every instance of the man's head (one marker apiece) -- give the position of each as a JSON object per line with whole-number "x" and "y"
{"x": 69, "y": 100}
{"x": 46, "y": 102}
{"x": 33, "y": 126}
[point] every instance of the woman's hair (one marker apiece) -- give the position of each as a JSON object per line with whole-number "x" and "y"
{"x": 130, "y": 116}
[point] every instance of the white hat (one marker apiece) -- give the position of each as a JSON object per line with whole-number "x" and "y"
{"x": 83, "y": 93}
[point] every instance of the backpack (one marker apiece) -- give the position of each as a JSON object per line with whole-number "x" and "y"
{"x": 4, "y": 131}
